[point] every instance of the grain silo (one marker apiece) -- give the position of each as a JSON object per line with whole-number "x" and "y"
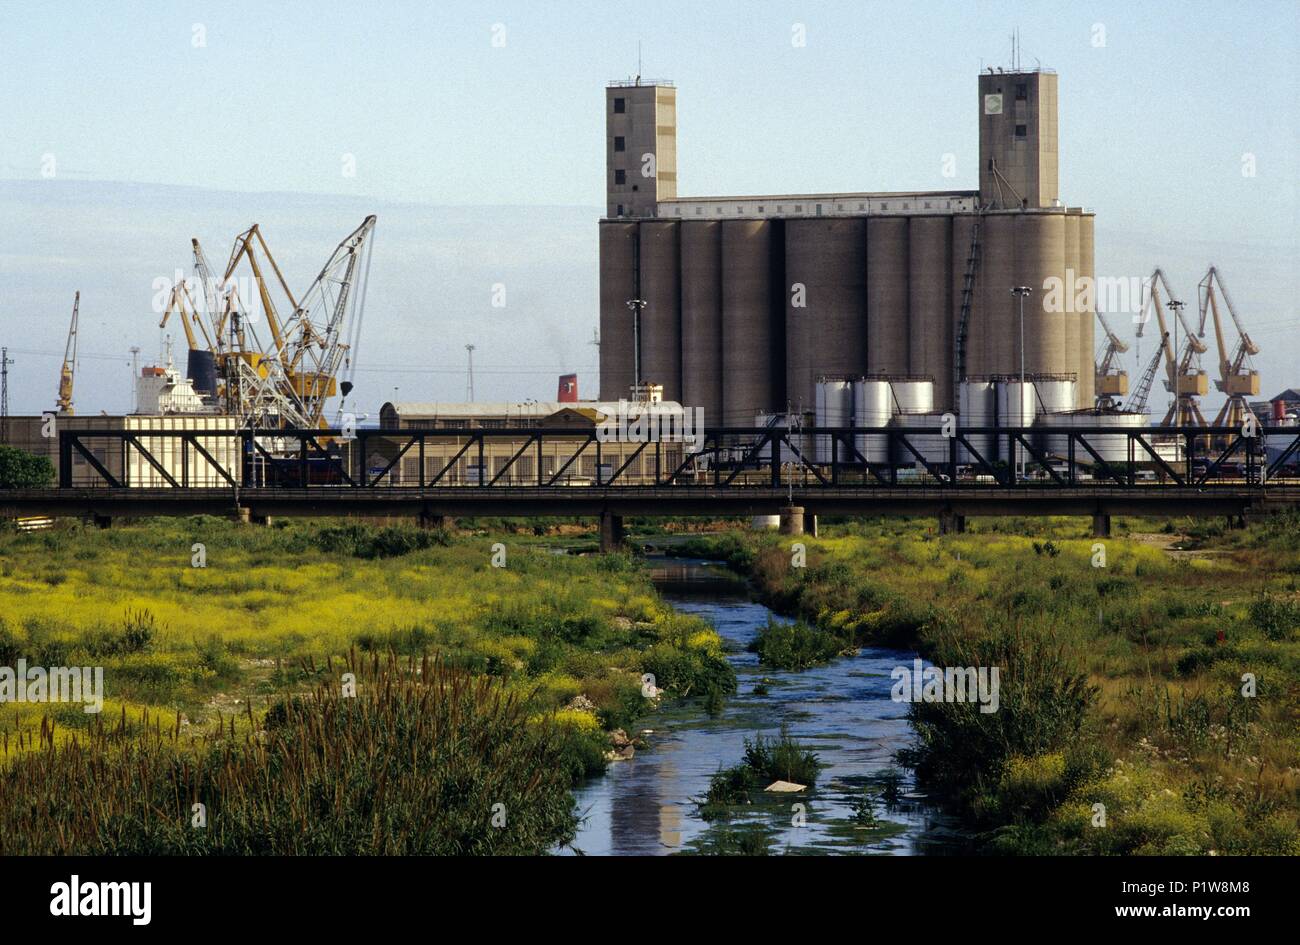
{"x": 997, "y": 333}
{"x": 873, "y": 406}
{"x": 748, "y": 384}
{"x": 618, "y": 278}
{"x": 701, "y": 243}
{"x": 1069, "y": 315}
{"x": 1087, "y": 318}
{"x": 877, "y": 277}
{"x": 1040, "y": 254}
{"x": 929, "y": 345}
{"x": 834, "y": 409}
{"x": 887, "y": 307}
{"x": 825, "y": 270}
{"x": 978, "y": 407}
{"x": 661, "y": 319}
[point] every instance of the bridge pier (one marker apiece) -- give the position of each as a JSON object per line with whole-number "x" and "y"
{"x": 611, "y": 532}
{"x": 102, "y": 521}
{"x": 440, "y": 522}
{"x": 792, "y": 520}
{"x": 950, "y": 523}
{"x": 264, "y": 520}
{"x": 810, "y": 524}
{"x": 1100, "y": 525}
{"x": 242, "y": 514}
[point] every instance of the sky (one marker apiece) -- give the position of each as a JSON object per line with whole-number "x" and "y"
{"x": 127, "y": 128}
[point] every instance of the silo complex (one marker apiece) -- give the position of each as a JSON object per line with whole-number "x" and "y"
{"x": 887, "y": 306}
{"x": 826, "y": 303}
{"x": 701, "y": 247}
{"x": 749, "y": 300}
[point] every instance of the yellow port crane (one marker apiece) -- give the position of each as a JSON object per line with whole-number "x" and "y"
{"x": 69, "y": 370}
{"x": 1237, "y": 377}
{"x": 1111, "y": 381}
{"x": 1183, "y": 376}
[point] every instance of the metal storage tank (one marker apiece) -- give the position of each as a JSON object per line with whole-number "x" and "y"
{"x": 834, "y": 409}
{"x": 873, "y": 406}
{"x": 978, "y": 408}
{"x": 1040, "y": 254}
{"x": 1055, "y": 398}
{"x": 1016, "y": 405}
{"x": 913, "y": 395}
{"x": 661, "y": 319}
{"x": 747, "y": 335}
{"x": 962, "y": 226}
{"x": 829, "y": 334}
{"x": 702, "y": 319}
{"x": 887, "y": 305}
{"x": 934, "y": 447}
{"x": 618, "y": 278}
{"x": 1087, "y": 319}
{"x": 930, "y": 340}
{"x": 1111, "y": 447}
{"x": 1071, "y": 286}
{"x": 996, "y": 333}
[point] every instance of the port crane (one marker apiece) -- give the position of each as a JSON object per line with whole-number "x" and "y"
{"x": 1137, "y": 402}
{"x": 67, "y": 374}
{"x": 1183, "y": 377}
{"x": 1111, "y": 381}
{"x": 1237, "y": 377}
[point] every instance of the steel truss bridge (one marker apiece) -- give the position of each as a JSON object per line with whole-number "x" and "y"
{"x": 430, "y": 474}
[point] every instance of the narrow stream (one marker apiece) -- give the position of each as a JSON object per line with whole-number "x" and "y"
{"x": 842, "y": 711}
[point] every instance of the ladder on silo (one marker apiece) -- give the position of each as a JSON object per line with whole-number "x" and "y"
{"x": 967, "y": 297}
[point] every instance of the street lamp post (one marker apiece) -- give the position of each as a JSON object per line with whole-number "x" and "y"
{"x": 1177, "y": 306}
{"x": 635, "y": 305}
{"x": 1020, "y": 291}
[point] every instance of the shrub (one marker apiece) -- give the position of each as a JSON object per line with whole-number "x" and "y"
{"x": 1277, "y": 618}
{"x": 20, "y": 469}
{"x": 796, "y": 646}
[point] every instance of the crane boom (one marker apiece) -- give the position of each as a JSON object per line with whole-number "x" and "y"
{"x": 67, "y": 374}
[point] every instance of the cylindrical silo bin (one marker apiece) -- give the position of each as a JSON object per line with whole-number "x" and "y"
{"x": 1087, "y": 318}
{"x": 913, "y": 395}
{"x": 933, "y": 446}
{"x": 828, "y": 333}
{"x": 702, "y": 319}
{"x": 617, "y": 286}
{"x": 834, "y": 409}
{"x": 887, "y": 305}
{"x": 747, "y": 335}
{"x": 996, "y": 333}
{"x": 661, "y": 319}
{"x": 978, "y": 408}
{"x": 929, "y": 346}
{"x": 1016, "y": 408}
{"x": 873, "y": 406}
{"x": 1070, "y": 289}
{"x": 1111, "y": 447}
{"x": 1054, "y": 399}
{"x": 1040, "y": 255}
{"x": 963, "y": 225}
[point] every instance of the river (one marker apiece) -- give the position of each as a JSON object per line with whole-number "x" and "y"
{"x": 842, "y": 711}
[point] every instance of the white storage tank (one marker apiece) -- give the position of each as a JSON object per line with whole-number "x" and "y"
{"x": 933, "y": 446}
{"x": 913, "y": 395}
{"x": 1016, "y": 403}
{"x": 1111, "y": 447}
{"x": 978, "y": 403}
{"x": 873, "y": 405}
{"x": 834, "y": 409}
{"x": 1055, "y": 399}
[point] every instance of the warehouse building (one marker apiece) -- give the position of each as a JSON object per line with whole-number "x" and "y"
{"x": 743, "y": 303}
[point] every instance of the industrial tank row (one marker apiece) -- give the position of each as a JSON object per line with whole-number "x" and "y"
{"x": 741, "y": 317}
{"x": 875, "y": 402}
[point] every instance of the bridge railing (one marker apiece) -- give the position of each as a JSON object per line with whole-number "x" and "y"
{"x": 730, "y": 457}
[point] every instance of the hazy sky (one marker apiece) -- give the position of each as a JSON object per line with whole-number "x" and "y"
{"x": 1163, "y": 106}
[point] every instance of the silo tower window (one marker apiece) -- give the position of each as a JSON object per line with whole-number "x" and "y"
{"x": 619, "y": 106}
{"x": 618, "y": 143}
{"x": 1021, "y": 131}
{"x": 1022, "y": 92}
{"x": 620, "y": 177}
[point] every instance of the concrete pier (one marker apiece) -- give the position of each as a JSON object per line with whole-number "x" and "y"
{"x": 792, "y": 519}
{"x": 611, "y": 532}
